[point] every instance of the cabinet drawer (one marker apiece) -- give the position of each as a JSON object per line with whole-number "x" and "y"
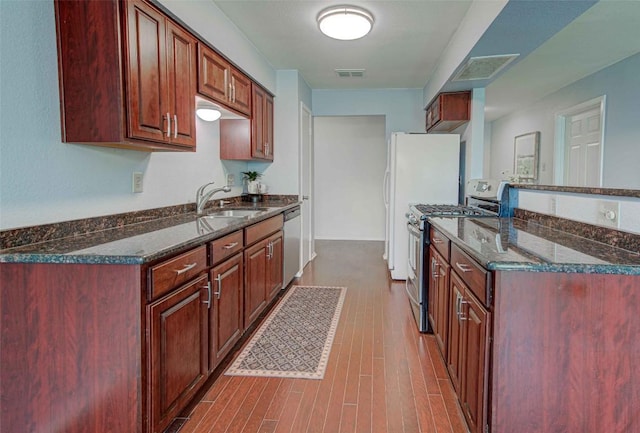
{"x": 224, "y": 247}
{"x": 476, "y": 277}
{"x": 440, "y": 242}
{"x": 176, "y": 271}
{"x": 263, "y": 229}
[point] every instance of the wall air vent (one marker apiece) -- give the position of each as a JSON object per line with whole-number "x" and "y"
{"x": 483, "y": 68}
{"x": 350, "y": 73}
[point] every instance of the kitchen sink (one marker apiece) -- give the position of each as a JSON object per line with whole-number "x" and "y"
{"x": 235, "y": 213}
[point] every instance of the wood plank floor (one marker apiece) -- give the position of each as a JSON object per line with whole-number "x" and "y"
{"x": 382, "y": 376}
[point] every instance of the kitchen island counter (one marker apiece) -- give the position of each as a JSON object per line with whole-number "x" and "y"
{"x": 511, "y": 244}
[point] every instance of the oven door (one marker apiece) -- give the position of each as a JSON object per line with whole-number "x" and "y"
{"x": 414, "y": 275}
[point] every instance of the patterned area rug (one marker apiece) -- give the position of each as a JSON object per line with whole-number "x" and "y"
{"x": 295, "y": 340}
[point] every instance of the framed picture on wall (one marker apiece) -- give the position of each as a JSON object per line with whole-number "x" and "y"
{"x": 525, "y": 160}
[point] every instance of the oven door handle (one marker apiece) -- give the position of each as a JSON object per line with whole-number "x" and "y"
{"x": 411, "y": 298}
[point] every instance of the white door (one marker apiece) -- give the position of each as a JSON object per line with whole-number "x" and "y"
{"x": 583, "y": 144}
{"x": 306, "y": 184}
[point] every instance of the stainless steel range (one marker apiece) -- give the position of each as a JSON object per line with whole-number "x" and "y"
{"x": 485, "y": 198}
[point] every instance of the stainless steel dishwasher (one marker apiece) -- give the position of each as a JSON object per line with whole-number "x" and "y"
{"x": 292, "y": 231}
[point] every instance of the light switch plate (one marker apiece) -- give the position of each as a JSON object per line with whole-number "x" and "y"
{"x": 137, "y": 182}
{"x": 231, "y": 180}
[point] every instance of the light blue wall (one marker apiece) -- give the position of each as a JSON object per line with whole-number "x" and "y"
{"x": 402, "y": 107}
{"x": 621, "y": 85}
{"x": 43, "y": 180}
{"x": 282, "y": 175}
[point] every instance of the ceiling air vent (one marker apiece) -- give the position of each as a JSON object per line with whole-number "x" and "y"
{"x": 350, "y": 73}
{"x": 483, "y": 68}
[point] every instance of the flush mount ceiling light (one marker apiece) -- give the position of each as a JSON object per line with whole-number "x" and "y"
{"x": 207, "y": 113}
{"x": 345, "y": 22}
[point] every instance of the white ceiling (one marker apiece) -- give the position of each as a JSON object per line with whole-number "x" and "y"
{"x": 409, "y": 37}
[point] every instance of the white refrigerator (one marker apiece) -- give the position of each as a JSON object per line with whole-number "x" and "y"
{"x": 421, "y": 169}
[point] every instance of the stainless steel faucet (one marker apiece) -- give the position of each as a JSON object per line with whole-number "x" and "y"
{"x": 202, "y": 198}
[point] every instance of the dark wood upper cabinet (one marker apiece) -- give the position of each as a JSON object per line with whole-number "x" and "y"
{"x": 249, "y": 139}
{"x": 220, "y": 81}
{"x": 127, "y": 76}
{"x": 448, "y": 111}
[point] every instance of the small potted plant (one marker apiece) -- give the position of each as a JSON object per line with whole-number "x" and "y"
{"x": 252, "y": 181}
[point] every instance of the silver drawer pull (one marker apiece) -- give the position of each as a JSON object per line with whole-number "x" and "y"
{"x": 208, "y": 287}
{"x": 463, "y": 267}
{"x": 219, "y": 280}
{"x": 229, "y": 246}
{"x": 168, "y": 125}
{"x": 437, "y": 241}
{"x": 186, "y": 268}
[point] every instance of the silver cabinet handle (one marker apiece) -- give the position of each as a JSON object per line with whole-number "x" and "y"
{"x": 175, "y": 126}
{"x": 229, "y": 246}
{"x": 186, "y": 268}
{"x": 226, "y": 83}
{"x": 437, "y": 241}
{"x": 168, "y": 125}
{"x": 208, "y": 302}
{"x": 219, "y": 280}
{"x": 462, "y": 316}
{"x": 463, "y": 267}
{"x": 305, "y": 197}
{"x": 434, "y": 268}
{"x": 233, "y": 89}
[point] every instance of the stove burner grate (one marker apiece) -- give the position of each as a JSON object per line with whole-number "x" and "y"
{"x": 448, "y": 210}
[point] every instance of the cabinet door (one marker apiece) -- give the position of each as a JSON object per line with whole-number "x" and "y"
{"x": 454, "y": 354}
{"x": 226, "y": 311}
{"x": 240, "y": 91}
{"x": 257, "y": 123}
{"x": 147, "y": 93}
{"x": 268, "y": 127}
{"x": 255, "y": 275}
{"x": 178, "y": 350}
{"x": 475, "y": 362}
{"x": 274, "y": 265}
{"x": 441, "y": 277}
{"x": 213, "y": 74}
{"x": 432, "y": 312}
{"x": 181, "y": 61}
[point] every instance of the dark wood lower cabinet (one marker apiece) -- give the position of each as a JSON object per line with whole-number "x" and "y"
{"x": 274, "y": 265}
{"x": 124, "y": 348}
{"x": 454, "y": 354}
{"x": 178, "y": 350}
{"x": 439, "y": 299}
{"x": 226, "y": 310}
{"x": 255, "y": 277}
{"x": 548, "y": 352}
{"x": 263, "y": 275}
{"x": 474, "y": 355}
{"x": 71, "y": 357}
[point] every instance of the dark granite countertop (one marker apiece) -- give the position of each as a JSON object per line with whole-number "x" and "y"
{"x": 510, "y": 244}
{"x": 142, "y": 242}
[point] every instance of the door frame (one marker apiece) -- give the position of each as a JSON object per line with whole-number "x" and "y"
{"x": 304, "y": 171}
{"x": 560, "y": 142}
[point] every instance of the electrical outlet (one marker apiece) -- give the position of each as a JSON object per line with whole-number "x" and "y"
{"x": 136, "y": 182}
{"x": 608, "y": 213}
{"x": 553, "y": 204}
{"x": 231, "y": 180}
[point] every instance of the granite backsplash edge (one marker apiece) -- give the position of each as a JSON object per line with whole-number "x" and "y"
{"x": 615, "y": 238}
{"x": 12, "y": 238}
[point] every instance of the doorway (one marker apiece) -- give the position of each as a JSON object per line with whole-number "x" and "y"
{"x": 580, "y": 145}
{"x": 306, "y": 184}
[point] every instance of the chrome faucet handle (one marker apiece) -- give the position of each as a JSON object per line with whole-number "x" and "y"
{"x": 201, "y": 190}
{"x": 223, "y": 202}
